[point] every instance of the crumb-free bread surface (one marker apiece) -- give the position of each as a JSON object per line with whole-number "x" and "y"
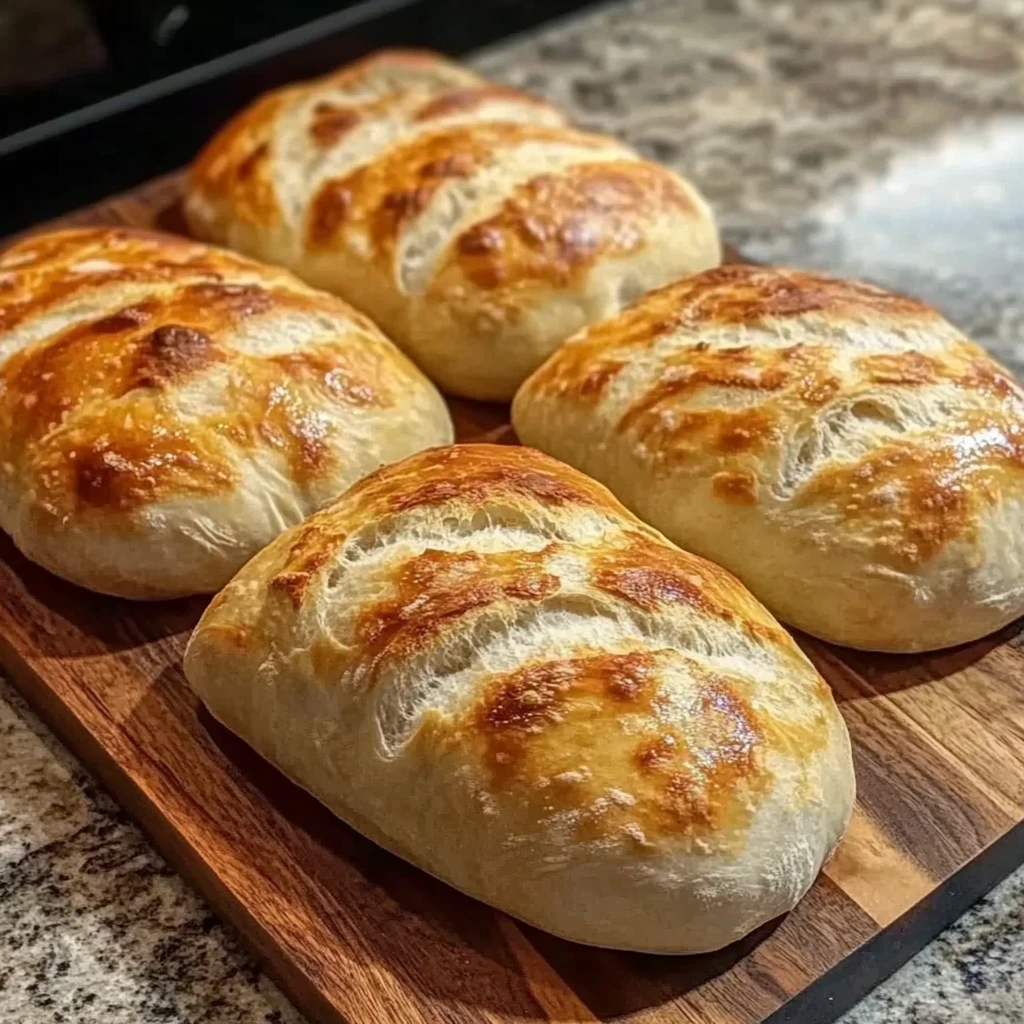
{"x": 847, "y": 452}
{"x": 483, "y": 662}
{"x": 167, "y": 409}
{"x": 466, "y": 218}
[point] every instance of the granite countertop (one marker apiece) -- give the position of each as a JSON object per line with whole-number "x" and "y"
{"x": 883, "y": 139}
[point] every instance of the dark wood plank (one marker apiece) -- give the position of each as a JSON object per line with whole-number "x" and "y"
{"x": 354, "y": 934}
{"x": 982, "y": 682}
{"x": 934, "y": 805}
{"x": 378, "y": 940}
{"x": 746, "y": 982}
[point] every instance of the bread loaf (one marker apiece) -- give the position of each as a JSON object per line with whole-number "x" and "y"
{"x": 474, "y": 226}
{"x": 480, "y": 660}
{"x": 847, "y": 452}
{"x": 167, "y": 409}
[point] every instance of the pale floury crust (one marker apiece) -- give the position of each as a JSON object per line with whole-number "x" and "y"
{"x": 483, "y": 662}
{"x": 466, "y": 218}
{"x": 847, "y": 452}
{"x": 167, "y": 409}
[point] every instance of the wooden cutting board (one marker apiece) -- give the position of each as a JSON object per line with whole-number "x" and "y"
{"x": 354, "y": 934}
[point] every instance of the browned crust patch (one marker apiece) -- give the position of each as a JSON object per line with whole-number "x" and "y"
{"x": 92, "y": 407}
{"x": 234, "y": 166}
{"x": 554, "y": 734}
{"x": 433, "y": 591}
{"x": 558, "y": 225}
{"x": 912, "y": 498}
{"x": 460, "y": 101}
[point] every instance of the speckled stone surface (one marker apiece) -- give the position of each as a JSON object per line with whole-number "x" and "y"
{"x": 95, "y": 928}
{"x": 883, "y": 139}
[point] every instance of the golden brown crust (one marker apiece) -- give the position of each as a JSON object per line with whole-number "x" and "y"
{"x": 935, "y": 490}
{"x": 645, "y": 571}
{"x": 490, "y": 480}
{"x": 555, "y": 227}
{"x": 237, "y": 162}
{"x": 461, "y": 215}
{"x": 470, "y": 472}
{"x": 461, "y": 101}
{"x": 468, "y": 475}
{"x": 941, "y": 484}
{"x": 331, "y": 123}
{"x": 155, "y": 346}
{"x": 398, "y": 61}
{"x": 35, "y": 279}
{"x": 533, "y": 727}
{"x": 827, "y": 417}
{"x": 108, "y": 467}
{"x": 638, "y": 568}
{"x": 383, "y": 197}
{"x": 527, "y": 692}
{"x": 739, "y": 293}
{"x": 433, "y": 591}
{"x": 150, "y": 380}
{"x": 434, "y": 595}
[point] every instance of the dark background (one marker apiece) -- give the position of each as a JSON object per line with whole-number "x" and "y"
{"x": 97, "y": 96}
{"x": 59, "y": 55}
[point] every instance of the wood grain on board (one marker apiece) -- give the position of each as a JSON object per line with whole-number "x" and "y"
{"x": 356, "y": 935}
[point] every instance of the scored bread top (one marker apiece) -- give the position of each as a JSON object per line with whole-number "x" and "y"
{"x": 490, "y": 659}
{"x": 285, "y": 158}
{"x": 839, "y": 416}
{"x": 457, "y": 213}
{"x": 166, "y": 408}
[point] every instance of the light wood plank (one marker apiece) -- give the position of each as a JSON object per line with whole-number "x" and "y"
{"x": 876, "y": 873}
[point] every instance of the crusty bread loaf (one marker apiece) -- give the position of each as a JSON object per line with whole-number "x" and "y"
{"x": 482, "y": 661}
{"x": 167, "y": 409}
{"x": 849, "y": 454}
{"x": 474, "y": 226}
